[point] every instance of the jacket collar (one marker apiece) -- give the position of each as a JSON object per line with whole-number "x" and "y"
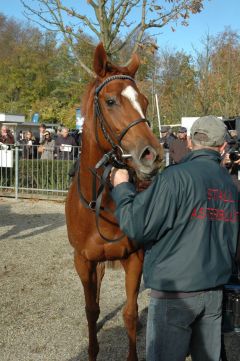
{"x": 202, "y": 153}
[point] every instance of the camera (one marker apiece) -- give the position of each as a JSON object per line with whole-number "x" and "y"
{"x": 234, "y": 156}
{"x": 234, "y": 150}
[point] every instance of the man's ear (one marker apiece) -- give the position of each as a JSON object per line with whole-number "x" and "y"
{"x": 222, "y": 147}
{"x": 189, "y": 142}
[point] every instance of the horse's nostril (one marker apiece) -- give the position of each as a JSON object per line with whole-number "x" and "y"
{"x": 148, "y": 154}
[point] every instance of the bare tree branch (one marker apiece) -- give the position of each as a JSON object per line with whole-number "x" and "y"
{"x": 113, "y": 20}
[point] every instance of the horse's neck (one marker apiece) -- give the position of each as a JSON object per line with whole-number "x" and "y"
{"x": 91, "y": 153}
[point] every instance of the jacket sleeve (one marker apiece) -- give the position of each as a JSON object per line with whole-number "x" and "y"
{"x": 146, "y": 216}
{"x": 237, "y": 258}
{"x": 171, "y": 151}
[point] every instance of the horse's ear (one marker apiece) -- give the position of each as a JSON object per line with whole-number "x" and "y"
{"x": 134, "y": 65}
{"x": 100, "y": 61}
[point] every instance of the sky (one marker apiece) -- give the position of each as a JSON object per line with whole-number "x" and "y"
{"x": 216, "y": 16}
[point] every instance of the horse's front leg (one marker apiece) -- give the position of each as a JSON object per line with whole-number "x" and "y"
{"x": 133, "y": 270}
{"x": 91, "y": 277}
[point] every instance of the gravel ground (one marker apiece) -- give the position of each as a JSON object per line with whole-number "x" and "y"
{"x": 42, "y": 313}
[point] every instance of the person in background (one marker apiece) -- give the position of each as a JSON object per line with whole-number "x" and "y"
{"x": 29, "y": 146}
{"x": 20, "y": 136}
{"x": 42, "y": 129}
{"x": 6, "y": 140}
{"x": 6, "y": 137}
{"x": 179, "y": 147}
{"x": 65, "y": 146}
{"x": 233, "y": 134}
{"x": 188, "y": 223}
{"x": 167, "y": 136}
{"x": 231, "y": 160}
{"x": 59, "y": 130}
{"x": 46, "y": 148}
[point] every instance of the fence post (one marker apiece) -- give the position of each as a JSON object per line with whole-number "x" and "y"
{"x": 16, "y": 171}
{"x": 167, "y": 158}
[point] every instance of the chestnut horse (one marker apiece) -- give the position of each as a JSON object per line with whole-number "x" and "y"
{"x": 114, "y": 112}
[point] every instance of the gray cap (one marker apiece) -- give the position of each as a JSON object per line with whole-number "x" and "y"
{"x": 165, "y": 128}
{"x": 212, "y": 127}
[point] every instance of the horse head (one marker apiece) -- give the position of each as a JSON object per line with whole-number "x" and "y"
{"x": 120, "y": 109}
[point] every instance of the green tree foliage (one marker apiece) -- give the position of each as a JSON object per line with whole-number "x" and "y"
{"x": 218, "y": 75}
{"x": 225, "y": 73}
{"x": 176, "y": 86}
{"x": 38, "y": 74}
{"x": 25, "y": 66}
{"x": 208, "y": 83}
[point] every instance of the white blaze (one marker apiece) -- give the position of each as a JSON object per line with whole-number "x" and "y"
{"x": 130, "y": 93}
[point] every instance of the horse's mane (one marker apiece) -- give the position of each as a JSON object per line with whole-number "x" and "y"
{"x": 87, "y": 95}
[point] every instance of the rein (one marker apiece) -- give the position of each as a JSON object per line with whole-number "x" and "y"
{"x": 114, "y": 158}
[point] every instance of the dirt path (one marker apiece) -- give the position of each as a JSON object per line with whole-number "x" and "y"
{"x": 41, "y": 301}
{"x": 42, "y": 314}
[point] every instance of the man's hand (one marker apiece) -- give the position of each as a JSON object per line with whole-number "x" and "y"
{"x": 118, "y": 176}
{"x": 237, "y": 161}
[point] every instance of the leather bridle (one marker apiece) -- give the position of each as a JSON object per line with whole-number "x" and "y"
{"x": 116, "y": 145}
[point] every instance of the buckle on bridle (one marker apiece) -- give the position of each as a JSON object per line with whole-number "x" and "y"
{"x": 120, "y": 153}
{"x": 92, "y": 205}
{"x": 105, "y": 159}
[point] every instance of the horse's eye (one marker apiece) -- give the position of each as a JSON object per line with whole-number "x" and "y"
{"x": 110, "y": 102}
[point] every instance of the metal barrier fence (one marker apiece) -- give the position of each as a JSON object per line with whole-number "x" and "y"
{"x": 28, "y": 173}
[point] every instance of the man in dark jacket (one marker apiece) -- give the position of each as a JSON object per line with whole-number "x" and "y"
{"x": 179, "y": 147}
{"x": 66, "y": 146}
{"x": 167, "y": 137}
{"x": 187, "y": 221}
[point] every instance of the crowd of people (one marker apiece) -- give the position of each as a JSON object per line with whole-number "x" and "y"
{"x": 177, "y": 144}
{"x": 62, "y": 144}
{"x": 49, "y": 144}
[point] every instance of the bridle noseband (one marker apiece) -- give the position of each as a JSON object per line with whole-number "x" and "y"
{"x": 116, "y": 145}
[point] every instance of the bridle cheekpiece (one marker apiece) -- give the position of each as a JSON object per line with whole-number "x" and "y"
{"x": 116, "y": 153}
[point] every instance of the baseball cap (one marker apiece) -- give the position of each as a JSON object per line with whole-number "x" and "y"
{"x": 212, "y": 127}
{"x": 182, "y": 130}
{"x": 165, "y": 128}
